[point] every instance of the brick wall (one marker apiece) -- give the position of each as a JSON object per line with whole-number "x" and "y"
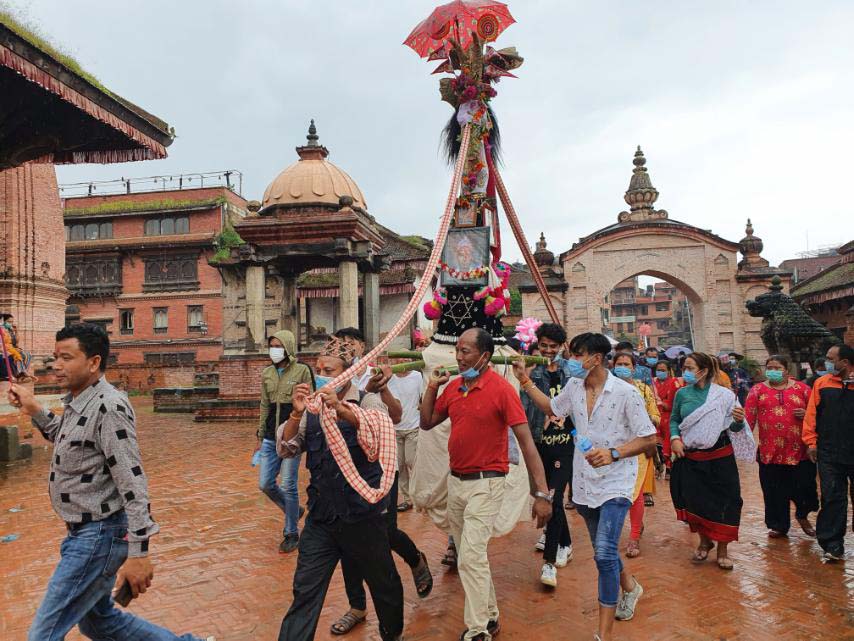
{"x": 32, "y": 263}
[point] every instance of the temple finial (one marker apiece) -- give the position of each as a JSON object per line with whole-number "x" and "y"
{"x": 312, "y": 136}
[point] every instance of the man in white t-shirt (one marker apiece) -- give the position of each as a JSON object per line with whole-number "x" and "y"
{"x": 611, "y": 415}
{"x": 406, "y": 388}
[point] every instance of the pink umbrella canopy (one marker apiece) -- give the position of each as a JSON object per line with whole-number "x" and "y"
{"x": 460, "y": 20}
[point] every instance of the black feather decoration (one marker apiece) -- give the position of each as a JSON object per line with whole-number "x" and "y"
{"x": 450, "y": 139}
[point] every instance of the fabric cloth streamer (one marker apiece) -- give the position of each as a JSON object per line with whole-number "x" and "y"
{"x": 376, "y": 437}
{"x": 516, "y": 226}
{"x": 424, "y": 283}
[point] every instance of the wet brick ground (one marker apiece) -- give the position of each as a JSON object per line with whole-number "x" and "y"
{"x": 218, "y": 570}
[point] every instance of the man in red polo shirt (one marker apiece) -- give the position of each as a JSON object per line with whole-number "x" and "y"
{"x": 481, "y": 406}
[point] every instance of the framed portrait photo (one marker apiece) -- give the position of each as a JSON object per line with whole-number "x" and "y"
{"x": 465, "y": 249}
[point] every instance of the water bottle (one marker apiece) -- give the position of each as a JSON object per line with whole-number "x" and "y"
{"x": 585, "y": 445}
{"x": 256, "y": 458}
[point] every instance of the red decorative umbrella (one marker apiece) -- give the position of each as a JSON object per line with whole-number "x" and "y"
{"x": 459, "y": 20}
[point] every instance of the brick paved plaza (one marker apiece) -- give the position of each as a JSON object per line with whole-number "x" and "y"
{"x": 218, "y": 570}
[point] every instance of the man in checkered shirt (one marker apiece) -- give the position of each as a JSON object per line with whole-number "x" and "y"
{"x": 98, "y": 488}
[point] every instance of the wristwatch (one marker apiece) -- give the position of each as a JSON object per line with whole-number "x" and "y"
{"x": 615, "y": 454}
{"x": 542, "y": 495}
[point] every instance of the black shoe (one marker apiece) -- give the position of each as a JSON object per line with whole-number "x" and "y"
{"x": 493, "y": 627}
{"x": 479, "y": 637}
{"x": 289, "y": 543}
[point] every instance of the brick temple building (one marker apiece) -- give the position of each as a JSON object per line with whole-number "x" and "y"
{"x": 137, "y": 264}
{"x": 828, "y": 295}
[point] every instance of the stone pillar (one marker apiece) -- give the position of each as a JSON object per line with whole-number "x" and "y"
{"x": 255, "y": 285}
{"x": 348, "y": 294}
{"x": 32, "y": 263}
{"x": 290, "y": 311}
{"x": 372, "y": 308}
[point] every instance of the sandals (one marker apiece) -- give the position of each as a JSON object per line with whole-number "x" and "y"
{"x": 776, "y": 534}
{"x": 404, "y": 507}
{"x": 493, "y": 627}
{"x": 648, "y": 501}
{"x": 725, "y": 563}
{"x": 807, "y": 527}
{"x": 422, "y": 577}
{"x": 701, "y": 554}
{"x": 633, "y": 549}
{"x": 347, "y": 623}
{"x": 450, "y": 558}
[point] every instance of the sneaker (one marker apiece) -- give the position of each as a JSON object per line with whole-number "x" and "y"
{"x": 628, "y": 603}
{"x": 541, "y": 543}
{"x": 289, "y": 543}
{"x": 549, "y": 575}
{"x": 563, "y": 556}
{"x": 832, "y": 556}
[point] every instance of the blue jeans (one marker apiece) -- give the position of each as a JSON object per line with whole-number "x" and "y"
{"x": 79, "y": 590}
{"x": 286, "y": 496}
{"x": 605, "y": 524}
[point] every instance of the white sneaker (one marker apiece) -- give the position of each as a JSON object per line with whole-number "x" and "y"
{"x": 549, "y": 575}
{"x": 628, "y": 603}
{"x": 563, "y": 556}
{"x": 541, "y": 543}
{"x": 211, "y": 639}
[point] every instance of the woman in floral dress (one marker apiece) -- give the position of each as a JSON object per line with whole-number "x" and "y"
{"x": 776, "y": 409}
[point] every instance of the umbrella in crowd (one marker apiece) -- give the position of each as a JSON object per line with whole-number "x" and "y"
{"x": 673, "y": 352}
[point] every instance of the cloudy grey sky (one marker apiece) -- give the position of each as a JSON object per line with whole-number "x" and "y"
{"x": 743, "y": 108}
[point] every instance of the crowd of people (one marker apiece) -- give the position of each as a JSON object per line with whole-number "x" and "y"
{"x": 596, "y": 427}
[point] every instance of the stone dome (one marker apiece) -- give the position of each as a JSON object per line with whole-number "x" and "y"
{"x": 312, "y": 180}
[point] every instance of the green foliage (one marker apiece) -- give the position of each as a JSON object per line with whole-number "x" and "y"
{"x": 515, "y": 303}
{"x": 133, "y": 206}
{"x": 225, "y": 242}
{"x": 40, "y": 41}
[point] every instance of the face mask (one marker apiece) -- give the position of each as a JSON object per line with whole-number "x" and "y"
{"x": 774, "y": 375}
{"x": 559, "y": 360}
{"x": 277, "y": 354}
{"x": 831, "y": 368}
{"x": 323, "y": 381}
{"x": 576, "y": 369}
{"x": 623, "y": 372}
{"x": 820, "y": 372}
{"x": 689, "y": 377}
{"x": 662, "y": 376}
{"x": 651, "y": 360}
{"x": 472, "y": 372}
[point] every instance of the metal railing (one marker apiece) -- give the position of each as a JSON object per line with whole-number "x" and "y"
{"x": 229, "y": 178}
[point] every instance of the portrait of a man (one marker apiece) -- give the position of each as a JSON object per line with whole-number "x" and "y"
{"x": 465, "y": 250}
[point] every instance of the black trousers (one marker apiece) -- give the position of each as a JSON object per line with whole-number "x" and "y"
{"x": 833, "y": 516}
{"x": 321, "y": 546}
{"x": 782, "y": 484}
{"x": 399, "y": 542}
{"x": 557, "y": 530}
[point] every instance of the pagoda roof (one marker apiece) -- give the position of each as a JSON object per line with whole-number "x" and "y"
{"x": 53, "y": 111}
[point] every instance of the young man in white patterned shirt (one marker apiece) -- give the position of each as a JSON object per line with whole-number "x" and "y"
{"x": 611, "y": 414}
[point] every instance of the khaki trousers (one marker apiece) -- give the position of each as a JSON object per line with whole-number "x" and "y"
{"x": 407, "y": 442}
{"x": 472, "y": 509}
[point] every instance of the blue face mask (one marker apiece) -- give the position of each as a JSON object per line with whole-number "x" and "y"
{"x": 689, "y": 377}
{"x": 662, "y": 376}
{"x": 820, "y": 372}
{"x": 623, "y": 372}
{"x": 471, "y": 372}
{"x": 323, "y": 381}
{"x": 576, "y": 369}
{"x": 559, "y": 360}
{"x": 652, "y": 361}
{"x": 831, "y": 368}
{"x": 774, "y": 375}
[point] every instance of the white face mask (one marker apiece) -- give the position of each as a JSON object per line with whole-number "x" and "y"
{"x": 277, "y": 354}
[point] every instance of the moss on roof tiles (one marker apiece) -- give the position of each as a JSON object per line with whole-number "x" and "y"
{"x": 841, "y": 275}
{"x": 40, "y": 41}
{"x": 133, "y": 206}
